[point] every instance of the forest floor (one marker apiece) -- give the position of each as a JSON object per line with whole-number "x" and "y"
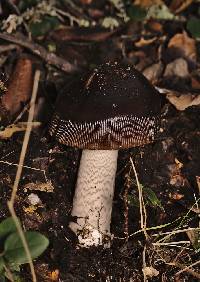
{"x": 167, "y": 52}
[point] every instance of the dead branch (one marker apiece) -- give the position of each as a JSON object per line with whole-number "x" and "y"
{"x": 40, "y": 51}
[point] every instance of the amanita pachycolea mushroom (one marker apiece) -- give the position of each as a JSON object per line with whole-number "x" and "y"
{"x": 115, "y": 108}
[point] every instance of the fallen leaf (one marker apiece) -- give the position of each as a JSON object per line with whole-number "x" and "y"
{"x": 177, "y": 68}
{"x": 175, "y": 175}
{"x": 13, "y": 128}
{"x": 44, "y": 187}
{"x": 183, "y": 101}
{"x": 19, "y": 88}
{"x": 184, "y": 45}
{"x": 31, "y": 209}
{"x": 89, "y": 34}
{"x": 155, "y": 26}
{"x": 195, "y": 83}
{"x": 176, "y": 196}
{"x": 193, "y": 236}
{"x": 153, "y": 72}
{"x": 178, "y": 6}
{"x": 161, "y": 12}
{"x": 147, "y": 3}
{"x": 150, "y": 271}
{"x": 144, "y": 42}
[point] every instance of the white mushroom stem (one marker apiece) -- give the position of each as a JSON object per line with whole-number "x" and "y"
{"x": 93, "y": 198}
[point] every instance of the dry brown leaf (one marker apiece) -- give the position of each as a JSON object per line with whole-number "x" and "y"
{"x": 44, "y": 187}
{"x": 178, "y": 6}
{"x": 176, "y": 196}
{"x": 153, "y": 72}
{"x": 13, "y": 128}
{"x": 96, "y": 34}
{"x": 195, "y": 83}
{"x": 178, "y": 67}
{"x": 155, "y": 26}
{"x": 175, "y": 175}
{"x": 30, "y": 210}
{"x": 185, "y": 45}
{"x": 144, "y": 42}
{"x": 150, "y": 271}
{"x": 147, "y": 3}
{"x": 20, "y": 87}
{"x": 193, "y": 236}
{"x": 183, "y": 101}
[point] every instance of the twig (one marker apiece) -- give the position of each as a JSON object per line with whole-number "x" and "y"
{"x": 8, "y": 47}
{"x": 143, "y": 214}
{"x": 9, "y": 273}
{"x": 177, "y": 231}
{"x": 185, "y": 269}
{"x": 144, "y": 263}
{"x": 19, "y": 171}
{"x": 188, "y": 268}
{"x": 126, "y": 206}
{"x": 40, "y": 51}
{"x": 147, "y": 229}
{"x": 171, "y": 243}
{"x": 28, "y": 167}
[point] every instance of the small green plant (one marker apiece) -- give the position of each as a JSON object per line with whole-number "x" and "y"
{"x": 12, "y": 253}
{"x": 149, "y": 196}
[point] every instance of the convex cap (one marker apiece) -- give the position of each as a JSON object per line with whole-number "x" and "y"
{"x": 115, "y": 107}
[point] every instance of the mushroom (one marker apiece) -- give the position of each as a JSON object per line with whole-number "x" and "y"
{"x": 114, "y": 108}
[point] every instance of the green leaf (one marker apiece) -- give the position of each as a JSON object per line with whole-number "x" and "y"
{"x": 42, "y": 27}
{"x": 14, "y": 250}
{"x": 151, "y": 196}
{"x": 7, "y": 226}
{"x": 14, "y": 267}
{"x": 160, "y": 12}
{"x": 17, "y": 277}
{"x": 133, "y": 201}
{"x": 136, "y": 13}
{"x": 193, "y": 25}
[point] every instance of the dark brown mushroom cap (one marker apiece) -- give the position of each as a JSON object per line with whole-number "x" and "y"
{"x": 115, "y": 107}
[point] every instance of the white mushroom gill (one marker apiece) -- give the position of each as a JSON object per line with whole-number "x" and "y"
{"x": 92, "y": 204}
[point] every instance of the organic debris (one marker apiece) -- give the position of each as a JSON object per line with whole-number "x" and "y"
{"x": 155, "y": 220}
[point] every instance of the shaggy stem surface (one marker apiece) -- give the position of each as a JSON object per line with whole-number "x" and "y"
{"x": 93, "y": 198}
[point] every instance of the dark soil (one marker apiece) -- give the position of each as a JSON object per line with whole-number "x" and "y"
{"x": 154, "y": 165}
{"x": 167, "y": 169}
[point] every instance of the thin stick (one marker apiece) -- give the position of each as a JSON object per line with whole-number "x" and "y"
{"x": 19, "y": 171}
{"x": 144, "y": 263}
{"x": 177, "y": 231}
{"x": 148, "y": 228}
{"x": 9, "y": 273}
{"x": 141, "y": 200}
{"x": 188, "y": 267}
{"x": 171, "y": 243}
{"x": 28, "y": 167}
{"x": 40, "y": 51}
{"x": 185, "y": 269}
